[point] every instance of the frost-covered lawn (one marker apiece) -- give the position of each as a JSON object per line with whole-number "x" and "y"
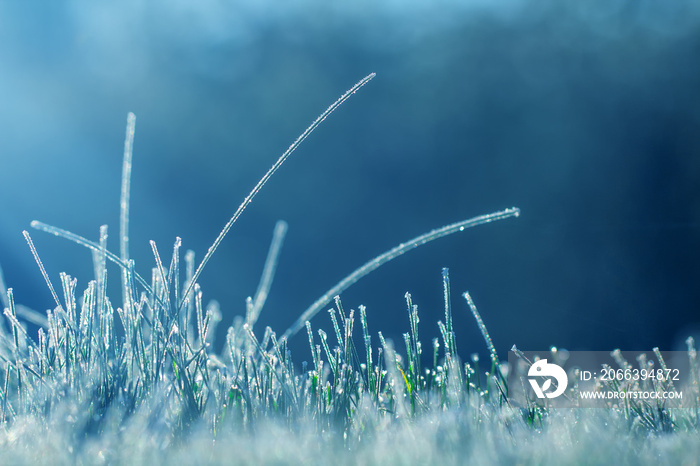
{"x": 140, "y": 383}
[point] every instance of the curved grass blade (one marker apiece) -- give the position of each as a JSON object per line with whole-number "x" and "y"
{"x": 249, "y": 198}
{"x": 90, "y": 245}
{"x": 392, "y": 254}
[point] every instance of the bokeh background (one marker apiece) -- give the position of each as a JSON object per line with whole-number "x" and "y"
{"x": 586, "y": 115}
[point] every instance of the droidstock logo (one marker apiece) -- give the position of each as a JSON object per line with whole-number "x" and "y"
{"x": 544, "y": 369}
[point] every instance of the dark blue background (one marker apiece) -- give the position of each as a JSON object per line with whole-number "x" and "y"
{"x": 586, "y": 116}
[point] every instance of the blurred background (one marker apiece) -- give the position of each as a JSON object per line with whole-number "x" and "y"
{"x": 586, "y": 115}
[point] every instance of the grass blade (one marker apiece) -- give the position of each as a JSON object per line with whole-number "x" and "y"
{"x": 41, "y": 267}
{"x": 268, "y": 271}
{"x": 88, "y": 244}
{"x": 393, "y": 253}
{"x": 249, "y": 198}
{"x": 124, "y": 202}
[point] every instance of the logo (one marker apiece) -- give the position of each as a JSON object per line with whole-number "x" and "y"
{"x": 544, "y": 369}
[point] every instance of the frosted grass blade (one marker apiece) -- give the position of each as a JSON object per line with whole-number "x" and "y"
{"x": 101, "y": 273}
{"x": 249, "y": 198}
{"x": 174, "y": 270}
{"x": 482, "y": 328}
{"x": 41, "y": 267}
{"x": 88, "y": 244}
{"x": 3, "y": 299}
{"x": 3, "y": 292}
{"x": 124, "y": 201}
{"x": 393, "y": 253}
{"x": 163, "y": 277}
{"x": 268, "y": 271}
{"x": 30, "y": 315}
{"x": 448, "y": 310}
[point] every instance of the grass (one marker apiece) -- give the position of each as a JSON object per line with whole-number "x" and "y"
{"x": 141, "y": 383}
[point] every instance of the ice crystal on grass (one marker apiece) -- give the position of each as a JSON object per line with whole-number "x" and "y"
{"x": 100, "y": 376}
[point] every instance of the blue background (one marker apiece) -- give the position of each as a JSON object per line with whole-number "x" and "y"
{"x": 585, "y": 116}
